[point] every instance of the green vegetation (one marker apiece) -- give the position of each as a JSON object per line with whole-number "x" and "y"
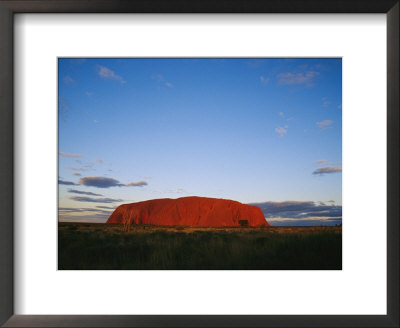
{"x": 107, "y": 247}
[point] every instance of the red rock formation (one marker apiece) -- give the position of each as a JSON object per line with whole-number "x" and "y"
{"x": 189, "y": 211}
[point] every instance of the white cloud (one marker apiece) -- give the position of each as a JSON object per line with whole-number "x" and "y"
{"x": 106, "y": 73}
{"x": 281, "y": 131}
{"x": 264, "y": 79}
{"x": 327, "y": 170}
{"x": 324, "y": 124}
{"x": 137, "y": 184}
{"x": 161, "y": 80}
{"x": 306, "y": 78}
{"x": 325, "y": 102}
{"x": 70, "y": 155}
{"x": 68, "y": 80}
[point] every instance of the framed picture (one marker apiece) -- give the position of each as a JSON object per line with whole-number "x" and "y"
{"x": 188, "y": 166}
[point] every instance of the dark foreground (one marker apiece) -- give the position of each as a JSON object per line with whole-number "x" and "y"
{"x": 84, "y": 246}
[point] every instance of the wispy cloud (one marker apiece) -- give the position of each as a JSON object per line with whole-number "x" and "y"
{"x": 95, "y": 200}
{"x": 68, "y": 80}
{"x": 282, "y": 115}
{"x": 81, "y": 209}
{"x": 305, "y": 78}
{"x": 264, "y": 79}
{"x": 324, "y": 124}
{"x": 70, "y": 155}
{"x": 63, "y": 108}
{"x": 325, "y": 102}
{"x": 327, "y": 170}
{"x": 137, "y": 184}
{"x": 89, "y": 94}
{"x": 76, "y": 174}
{"x": 339, "y": 106}
{"x": 300, "y": 212}
{"x": 83, "y": 192}
{"x": 106, "y": 207}
{"x": 316, "y": 221}
{"x": 107, "y": 73}
{"x": 75, "y": 168}
{"x": 96, "y": 218}
{"x": 281, "y": 131}
{"x": 161, "y": 80}
{"x": 321, "y": 161}
{"x": 70, "y": 214}
{"x": 67, "y": 183}
{"x": 102, "y": 182}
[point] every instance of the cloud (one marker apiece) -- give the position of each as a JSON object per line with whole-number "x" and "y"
{"x": 106, "y": 207}
{"x": 299, "y": 210}
{"x": 321, "y": 161}
{"x": 89, "y": 94}
{"x": 75, "y": 168}
{"x": 95, "y": 121}
{"x": 325, "y": 102}
{"x": 102, "y": 182}
{"x": 327, "y": 170}
{"x": 137, "y": 184}
{"x": 70, "y": 155}
{"x": 106, "y": 73}
{"x": 172, "y": 191}
{"x": 75, "y": 210}
{"x": 281, "y": 131}
{"x": 76, "y": 174}
{"x": 67, "y": 183}
{"x": 96, "y": 218}
{"x": 83, "y": 192}
{"x": 63, "y": 108}
{"x": 284, "y": 222}
{"x": 339, "y": 106}
{"x": 69, "y": 214}
{"x": 68, "y": 80}
{"x": 281, "y": 114}
{"x": 324, "y": 124}
{"x": 160, "y": 79}
{"x": 95, "y": 200}
{"x": 264, "y": 80}
{"x": 100, "y": 161}
{"x": 306, "y": 78}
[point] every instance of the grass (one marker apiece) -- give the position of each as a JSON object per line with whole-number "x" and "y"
{"x": 106, "y": 247}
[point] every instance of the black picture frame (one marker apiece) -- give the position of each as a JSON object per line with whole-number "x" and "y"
{"x": 10, "y": 7}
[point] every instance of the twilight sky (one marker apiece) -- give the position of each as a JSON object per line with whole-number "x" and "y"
{"x": 261, "y": 131}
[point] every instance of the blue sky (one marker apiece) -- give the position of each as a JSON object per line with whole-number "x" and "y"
{"x": 260, "y": 131}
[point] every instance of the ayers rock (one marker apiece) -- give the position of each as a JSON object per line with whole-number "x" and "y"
{"x": 189, "y": 211}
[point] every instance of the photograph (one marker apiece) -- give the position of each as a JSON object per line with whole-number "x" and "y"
{"x": 199, "y": 163}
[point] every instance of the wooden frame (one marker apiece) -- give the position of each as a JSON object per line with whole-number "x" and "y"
{"x": 9, "y": 7}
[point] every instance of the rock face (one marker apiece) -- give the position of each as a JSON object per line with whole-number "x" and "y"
{"x": 189, "y": 211}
